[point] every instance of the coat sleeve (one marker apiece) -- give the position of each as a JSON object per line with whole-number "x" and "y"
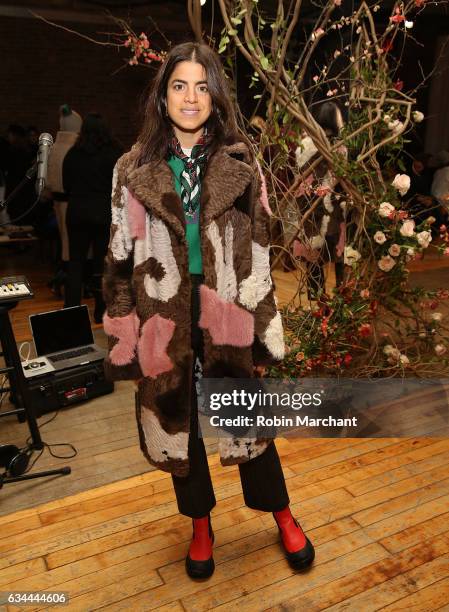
{"x": 120, "y": 321}
{"x": 268, "y": 347}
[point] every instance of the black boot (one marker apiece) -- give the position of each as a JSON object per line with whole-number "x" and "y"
{"x": 202, "y": 565}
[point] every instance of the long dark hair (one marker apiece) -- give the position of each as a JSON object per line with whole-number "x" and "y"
{"x": 95, "y": 134}
{"x": 326, "y": 115}
{"x": 157, "y": 130}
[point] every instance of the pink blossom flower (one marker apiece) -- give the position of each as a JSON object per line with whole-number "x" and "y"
{"x": 364, "y": 294}
{"x": 337, "y": 2}
{"x": 446, "y": 251}
{"x": 408, "y": 228}
{"x": 394, "y": 250}
{"x": 379, "y": 237}
{"x": 442, "y": 228}
{"x": 386, "y": 263}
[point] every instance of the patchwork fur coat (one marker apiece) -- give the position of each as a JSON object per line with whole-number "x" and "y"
{"x": 148, "y": 291}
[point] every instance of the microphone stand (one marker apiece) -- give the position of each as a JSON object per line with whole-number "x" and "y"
{"x": 29, "y": 176}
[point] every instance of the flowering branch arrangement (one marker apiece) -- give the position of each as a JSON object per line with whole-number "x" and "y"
{"x": 374, "y": 323}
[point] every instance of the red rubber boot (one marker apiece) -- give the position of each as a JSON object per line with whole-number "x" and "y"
{"x": 199, "y": 560}
{"x": 297, "y": 546}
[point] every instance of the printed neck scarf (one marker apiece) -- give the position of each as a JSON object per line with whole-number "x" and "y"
{"x": 194, "y": 166}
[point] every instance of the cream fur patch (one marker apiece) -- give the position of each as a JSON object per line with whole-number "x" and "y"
{"x": 224, "y": 261}
{"x": 246, "y": 448}
{"x": 157, "y": 244}
{"x": 273, "y": 337}
{"x": 157, "y": 440}
{"x": 121, "y": 244}
{"x": 257, "y": 285}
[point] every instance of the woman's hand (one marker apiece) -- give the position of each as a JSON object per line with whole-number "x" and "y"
{"x": 259, "y": 371}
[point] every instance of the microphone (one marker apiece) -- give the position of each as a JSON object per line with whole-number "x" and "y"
{"x": 45, "y": 144}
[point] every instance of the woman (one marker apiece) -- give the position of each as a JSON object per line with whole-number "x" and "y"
{"x": 188, "y": 280}
{"x": 322, "y": 238}
{"x": 87, "y": 176}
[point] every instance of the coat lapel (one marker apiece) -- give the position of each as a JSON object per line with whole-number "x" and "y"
{"x": 153, "y": 185}
{"x": 227, "y": 176}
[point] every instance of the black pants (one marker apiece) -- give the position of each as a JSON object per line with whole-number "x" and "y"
{"x": 262, "y": 479}
{"x": 81, "y": 236}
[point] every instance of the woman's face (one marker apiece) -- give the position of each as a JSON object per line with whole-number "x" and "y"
{"x": 189, "y": 103}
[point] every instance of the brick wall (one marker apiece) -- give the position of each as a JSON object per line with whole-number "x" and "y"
{"x": 43, "y": 67}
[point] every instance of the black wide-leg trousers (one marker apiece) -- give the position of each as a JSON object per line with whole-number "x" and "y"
{"x": 262, "y": 479}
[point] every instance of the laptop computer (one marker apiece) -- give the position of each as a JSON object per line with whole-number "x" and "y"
{"x": 64, "y": 337}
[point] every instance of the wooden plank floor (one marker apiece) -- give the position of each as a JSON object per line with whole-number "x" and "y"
{"x": 377, "y": 511}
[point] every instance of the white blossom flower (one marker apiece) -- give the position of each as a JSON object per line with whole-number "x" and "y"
{"x": 385, "y": 209}
{"x": 407, "y": 228}
{"x": 408, "y": 24}
{"x": 386, "y": 263}
{"x": 387, "y": 118}
{"x": 337, "y": 53}
{"x": 392, "y": 351}
{"x": 396, "y": 126}
{"x": 402, "y": 183}
{"x": 424, "y": 238}
{"x": 351, "y": 255}
{"x": 440, "y": 349}
{"x": 418, "y": 116}
{"x": 410, "y": 253}
{"x": 437, "y": 316}
{"x": 404, "y": 360}
{"x": 379, "y": 237}
{"x": 394, "y": 250}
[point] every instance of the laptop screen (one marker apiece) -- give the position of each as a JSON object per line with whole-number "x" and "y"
{"x": 60, "y": 330}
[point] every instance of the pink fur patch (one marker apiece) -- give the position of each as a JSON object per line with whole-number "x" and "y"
{"x": 263, "y": 191}
{"x": 136, "y": 217}
{"x": 126, "y": 330}
{"x": 227, "y": 323}
{"x": 152, "y": 346}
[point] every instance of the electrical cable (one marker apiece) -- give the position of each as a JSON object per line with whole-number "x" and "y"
{"x": 50, "y": 446}
{"x": 12, "y": 221}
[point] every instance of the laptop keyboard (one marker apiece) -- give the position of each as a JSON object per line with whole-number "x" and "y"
{"x": 71, "y": 354}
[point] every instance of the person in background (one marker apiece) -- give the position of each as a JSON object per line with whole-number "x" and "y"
{"x": 323, "y": 236}
{"x": 419, "y": 201}
{"x": 440, "y": 183}
{"x": 87, "y": 178}
{"x": 33, "y": 139}
{"x": 70, "y": 123}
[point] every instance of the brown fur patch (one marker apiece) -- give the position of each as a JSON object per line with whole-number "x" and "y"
{"x": 154, "y": 268}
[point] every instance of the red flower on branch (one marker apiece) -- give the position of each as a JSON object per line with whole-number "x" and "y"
{"x": 397, "y": 17}
{"x": 365, "y": 330}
